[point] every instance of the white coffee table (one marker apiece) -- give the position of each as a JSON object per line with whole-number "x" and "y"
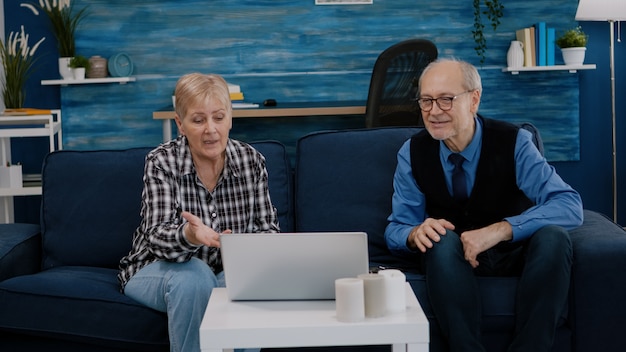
{"x": 256, "y": 324}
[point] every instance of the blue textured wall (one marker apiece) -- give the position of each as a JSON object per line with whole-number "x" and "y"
{"x": 295, "y": 51}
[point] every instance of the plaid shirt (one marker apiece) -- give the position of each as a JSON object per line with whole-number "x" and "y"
{"x": 240, "y": 202}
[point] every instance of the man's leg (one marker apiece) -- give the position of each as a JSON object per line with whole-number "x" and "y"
{"x": 543, "y": 289}
{"x": 182, "y": 290}
{"x": 453, "y": 292}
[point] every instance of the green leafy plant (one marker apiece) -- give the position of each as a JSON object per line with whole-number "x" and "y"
{"x": 79, "y": 61}
{"x": 17, "y": 60}
{"x": 493, "y": 11}
{"x": 572, "y": 38}
{"x": 65, "y": 20}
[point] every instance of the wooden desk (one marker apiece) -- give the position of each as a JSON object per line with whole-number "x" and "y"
{"x": 281, "y": 110}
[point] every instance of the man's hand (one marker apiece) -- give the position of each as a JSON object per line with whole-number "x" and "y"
{"x": 478, "y": 241}
{"x": 423, "y": 236}
{"x": 198, "y": 233}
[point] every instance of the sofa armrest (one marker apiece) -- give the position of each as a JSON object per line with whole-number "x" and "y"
{"x": 20, "y": 250}
{"x": 598, "y": 284}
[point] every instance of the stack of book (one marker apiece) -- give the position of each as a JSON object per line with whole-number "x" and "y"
{"x": 236, "y": 97}
{"x": 235, "y": 92}
{"x": 538, "y": 44}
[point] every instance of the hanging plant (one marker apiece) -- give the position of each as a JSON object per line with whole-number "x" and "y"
{"x": 493, "y": 11}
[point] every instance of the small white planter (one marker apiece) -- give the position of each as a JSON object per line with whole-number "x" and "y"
{"x": 11, "y": 176}
{"x": 573, "y": 56}
{"x": 78, "y": 72}
{"x": 64, "y": 68}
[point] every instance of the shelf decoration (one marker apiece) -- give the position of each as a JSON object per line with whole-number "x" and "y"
{"x": 17, "y": 60}
{"x": 11, "y": 176}
{"x": 494, "y": 11}
{"x": 64, "y": 20}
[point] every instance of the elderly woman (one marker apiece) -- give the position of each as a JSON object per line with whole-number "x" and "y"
{"x": 196, "y": 187}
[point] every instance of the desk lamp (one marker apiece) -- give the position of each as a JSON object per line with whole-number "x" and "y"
{"x": 611, "y": 11}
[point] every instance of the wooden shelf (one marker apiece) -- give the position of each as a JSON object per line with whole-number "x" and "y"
{"x": 64, "y": 82}
{"x": 570, "y": 68}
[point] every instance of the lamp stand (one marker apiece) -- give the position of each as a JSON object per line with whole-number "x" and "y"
{"x": 613, "y": 117}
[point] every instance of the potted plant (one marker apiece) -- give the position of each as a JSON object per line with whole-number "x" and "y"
{"x": 79, "y": 65}
{"x": 17, "y": 59}
{"x": 64, "y": 19}
{"x": 573, "y": 43}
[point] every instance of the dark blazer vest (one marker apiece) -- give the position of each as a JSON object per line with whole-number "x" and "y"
{"x": 495, "y": 194}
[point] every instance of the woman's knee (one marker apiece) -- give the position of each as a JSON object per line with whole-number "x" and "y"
{"x": 192, "y": 277}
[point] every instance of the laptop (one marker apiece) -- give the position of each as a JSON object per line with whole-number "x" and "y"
{"x": 291, "y": 266}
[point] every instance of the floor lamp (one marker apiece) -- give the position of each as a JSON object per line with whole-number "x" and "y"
{"x": 609, "y": 11}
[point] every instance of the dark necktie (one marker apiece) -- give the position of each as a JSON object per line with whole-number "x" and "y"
{"x": 459, "y": 185}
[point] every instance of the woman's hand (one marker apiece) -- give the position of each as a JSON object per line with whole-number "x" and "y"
{"x": 198, "y": 233}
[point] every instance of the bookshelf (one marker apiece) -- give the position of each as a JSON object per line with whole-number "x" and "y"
{"x": 570, "y": 68}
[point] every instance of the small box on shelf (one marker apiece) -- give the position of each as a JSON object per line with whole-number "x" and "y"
{"x": 11, "y": 176}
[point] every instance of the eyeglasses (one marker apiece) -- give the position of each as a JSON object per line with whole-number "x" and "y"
{"x": 444, "y": 103}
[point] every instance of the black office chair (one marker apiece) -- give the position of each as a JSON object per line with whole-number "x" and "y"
{"x": 393, "y": 87}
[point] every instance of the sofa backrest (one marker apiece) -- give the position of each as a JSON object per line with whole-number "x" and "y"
{"x": 344, "y": 182}
{"x": 91, "y": 202}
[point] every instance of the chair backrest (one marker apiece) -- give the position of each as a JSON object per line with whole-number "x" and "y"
{"x": 393, "y": 86}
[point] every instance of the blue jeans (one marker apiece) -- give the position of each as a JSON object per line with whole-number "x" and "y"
{"x": 181, "y": 290}
{"x": 543, "y": 263}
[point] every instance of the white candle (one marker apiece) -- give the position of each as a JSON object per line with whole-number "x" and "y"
{"x": 374, "y": 289}
{"x": 395, "y": 294}
{"x": 349, "y": 299}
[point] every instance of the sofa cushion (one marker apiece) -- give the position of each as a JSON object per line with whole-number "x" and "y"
{"x": 90, "y": 206}
{"x": 20, "y": 251}
{"x": 91, "y": 202}
{"x": 79, "y": 304}
{"x": 280, "y": 181}
{"x": 362, "y": 161}
{"x": 598, "y": 284}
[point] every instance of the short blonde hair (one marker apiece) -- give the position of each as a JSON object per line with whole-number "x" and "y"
{"x": 197, "y": 87}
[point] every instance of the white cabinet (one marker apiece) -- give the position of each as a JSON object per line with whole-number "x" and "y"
{"x": 44, "y": 125}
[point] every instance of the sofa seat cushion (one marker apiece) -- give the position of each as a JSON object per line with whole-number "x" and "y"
{"x": 80, "y": 304}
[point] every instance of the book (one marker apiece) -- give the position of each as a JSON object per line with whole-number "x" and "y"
{"x": 233, "y": 88}
{"x": 533, "y": 47}
{"x": 245, "y": 105}
{"x": 523, "y": 35}
{"x": 236, "y": 96}
{"x": 541, "y": 45}
{"x": 26, "y": 111}
{"x": 551, "y": 46}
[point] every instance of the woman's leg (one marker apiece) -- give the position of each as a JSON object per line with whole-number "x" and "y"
{"x": 181, "y": 290}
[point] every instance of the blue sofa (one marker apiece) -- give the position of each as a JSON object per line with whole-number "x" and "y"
{"x": 58, "y": 287}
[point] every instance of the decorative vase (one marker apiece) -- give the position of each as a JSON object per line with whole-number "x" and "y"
{"x": 515, "y": 55}
{"x": 97, "y": 67}
{"x": 78, "y": 72}
{"x": 64, "y": 68}
{"x": 573, "y": 56}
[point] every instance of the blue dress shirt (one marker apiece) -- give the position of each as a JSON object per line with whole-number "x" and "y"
{"x": 556, "y": 202}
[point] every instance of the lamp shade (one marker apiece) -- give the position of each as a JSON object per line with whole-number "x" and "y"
{"x": 601, "y": 10}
